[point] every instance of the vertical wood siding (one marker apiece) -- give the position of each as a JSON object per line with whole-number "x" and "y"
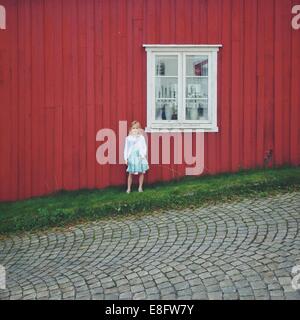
{"x": 69, "y": 68}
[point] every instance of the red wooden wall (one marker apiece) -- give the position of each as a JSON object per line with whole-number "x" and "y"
{"x": 69, "y": 68}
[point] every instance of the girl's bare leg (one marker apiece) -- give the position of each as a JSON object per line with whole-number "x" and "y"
{"x": 141, "y": 181}
{"x": 129, "y": 182}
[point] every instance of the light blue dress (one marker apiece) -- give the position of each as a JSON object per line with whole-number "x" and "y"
{"x": 135, "y": 153}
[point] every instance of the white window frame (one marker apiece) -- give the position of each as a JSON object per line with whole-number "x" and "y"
{"x": 182, "y": 51}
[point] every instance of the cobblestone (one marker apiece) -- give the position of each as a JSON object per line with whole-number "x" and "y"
{"x": 238, "y": 250}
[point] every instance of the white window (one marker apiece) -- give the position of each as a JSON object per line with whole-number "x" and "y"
{"x": 182, "y": 87}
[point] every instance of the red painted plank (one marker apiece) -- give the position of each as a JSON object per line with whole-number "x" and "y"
{"x": 37, "y": 103}
{"x": 98, "y": 66}
{"x": 165, "y": 6}
{"x": 5, "y": 111}
{"x": 119, "y": 75}
{"x": 90, "y": 85}
{"x": 82, "y": 93}
{"x": 253, "y": 127}
{"x": 286, "y": 75}
{"x": 236, "y": 87}
{"x": 12, "y": 191}
{"x": 242, "y": 76}
{"x": 180, "y": 21}
{"x": 269, "y": 81}
{"x": 213, "y": 37}
{"x": 225, "y": 101}
{"x": 113, "y": 168}
{"x": 67, "y": 96}
{"x": 188, "y": 27}
{"x": 249, "y": 124}
{"x": 50, "y": 80}
{"x": 278, "y": 83}
{"x": 295, "y": 98}
{"x": 107, "y": 89}
{"x": 260, "y": 111}
{"x": 58, "y": 96}
{"x": 201, "y": 31}
{"x": 21, "y": 105}
{"x": 122, "y": 56}
{"x": 75, "y": 95}
{"x": 25, "y": 100}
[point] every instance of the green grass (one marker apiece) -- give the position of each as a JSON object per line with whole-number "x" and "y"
{"x": 69, "y": 207}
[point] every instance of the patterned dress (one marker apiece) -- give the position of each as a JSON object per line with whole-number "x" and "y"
{"x": 135, "y": 153}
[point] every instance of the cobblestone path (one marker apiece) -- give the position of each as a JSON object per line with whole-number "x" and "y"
{"x": 237, "y": 250}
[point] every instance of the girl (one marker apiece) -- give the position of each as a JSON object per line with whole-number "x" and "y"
{"x": 135, "y": 151}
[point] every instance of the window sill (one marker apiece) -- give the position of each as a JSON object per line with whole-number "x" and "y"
{"x": 180, "y": 130}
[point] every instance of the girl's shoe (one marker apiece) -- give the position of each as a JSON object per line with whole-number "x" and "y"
{"x": 128, "y": 191}
{"x": 140, "y": 190}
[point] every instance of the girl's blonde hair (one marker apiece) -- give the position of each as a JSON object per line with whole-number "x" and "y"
{"x": 135, "y": 123}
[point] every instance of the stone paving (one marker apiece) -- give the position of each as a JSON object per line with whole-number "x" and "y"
{"x": 236, "y": 250}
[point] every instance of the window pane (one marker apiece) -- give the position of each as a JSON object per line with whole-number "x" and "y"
{"x": 197, "y": 109}
{"x": 166, "y": 110}
{"x": 166, "y": 66}
{"x": 166, "y": 87}
{"x": 197, "y": 66}
{"x": 196, "y": 87}
{"x": 166, "y": 94}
